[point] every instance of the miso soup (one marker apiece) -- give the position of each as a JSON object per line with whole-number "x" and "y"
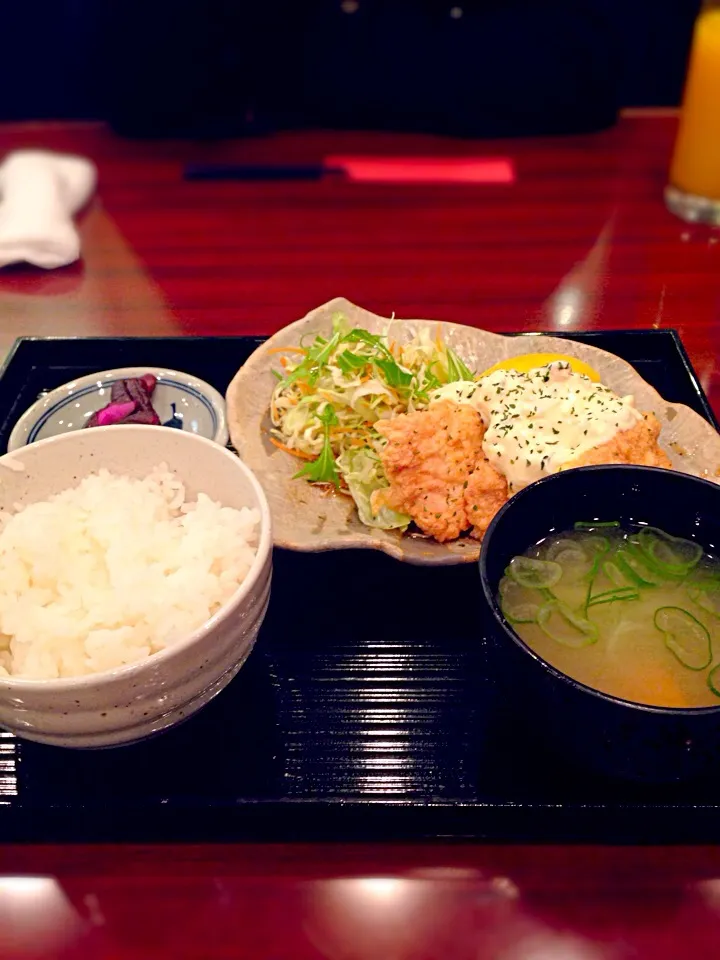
{"x": 631, "y": 612}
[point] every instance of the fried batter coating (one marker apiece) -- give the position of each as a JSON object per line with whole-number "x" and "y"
{"x": 438, "y": 473}
{"x": 638, "y": 445}
{"x": 486, "y": 492}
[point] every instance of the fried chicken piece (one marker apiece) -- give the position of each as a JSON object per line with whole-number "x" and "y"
{"x": 428, "y": 460}
{"x": 486, "y": 492}
{"x": 638, "y": 445}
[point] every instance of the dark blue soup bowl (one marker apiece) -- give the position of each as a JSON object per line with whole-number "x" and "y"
{"x": 610, "y": 735}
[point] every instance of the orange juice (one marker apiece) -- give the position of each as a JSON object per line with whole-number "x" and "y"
{"x": 696, "y": 161}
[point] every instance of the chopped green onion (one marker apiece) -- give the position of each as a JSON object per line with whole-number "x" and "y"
{"x": 613, "y": 572}
{"x": 569, "y": 555}
{"x": 598, "y": 544}
{"x": 576, "y": 561}
{"x": 713, "y": 680}
{"x": 671, "y": 555}
{"x": 632, "y": 546}
{"x": 637, "y": 570}
{"x": 519, "y": 604}
{"x": 614, "y": 591}
{"x": 571, "y": 559}
{"x": 591, "y": 581}
{"x": 563, "y": 625}
{"x": 611, "y": 596}
{"x": 685, "y": 637}
{"x": 706, "y": 595}
{"x": 560, "y": 546}
{"x": 595, "y": 524}
{"x": 534, "y": 573}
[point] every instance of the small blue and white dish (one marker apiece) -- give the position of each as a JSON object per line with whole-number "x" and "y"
{"x": 180, "y": 400}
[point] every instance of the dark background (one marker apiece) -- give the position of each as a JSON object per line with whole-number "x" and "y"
{"x": 218, "y": 67}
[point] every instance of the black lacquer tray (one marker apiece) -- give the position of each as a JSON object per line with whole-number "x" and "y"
{"x": 346, "y": 722}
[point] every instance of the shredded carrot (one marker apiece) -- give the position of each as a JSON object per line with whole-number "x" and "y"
{"x": 287, "y": 350}
{"x": 295, "y": 453}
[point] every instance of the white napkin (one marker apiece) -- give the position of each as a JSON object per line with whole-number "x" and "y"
{"x": 39, "y": 193}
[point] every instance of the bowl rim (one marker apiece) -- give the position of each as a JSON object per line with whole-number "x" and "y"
{"x": 262, "y": 553}
{"x": 27, "y": 420}
{"x": 506, "y": 627}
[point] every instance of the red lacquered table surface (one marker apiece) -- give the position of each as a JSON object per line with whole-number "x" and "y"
{"x": 580, "y": 241}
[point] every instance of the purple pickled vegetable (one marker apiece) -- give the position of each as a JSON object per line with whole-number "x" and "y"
{"x": 130, "y": 402}
{"x": 137, "y": 390}
{"x": 146, "y": 415}
{"x": 119, "y": 392}
{"x": 112, "y": 413}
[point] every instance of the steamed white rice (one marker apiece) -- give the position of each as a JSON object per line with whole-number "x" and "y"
{"x": 113, "y": 570}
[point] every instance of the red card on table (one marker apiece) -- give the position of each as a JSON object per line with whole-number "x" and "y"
{"x": 425, "y": 169}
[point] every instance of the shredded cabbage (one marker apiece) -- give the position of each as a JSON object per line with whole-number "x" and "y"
{"x": 326, "y": 404}
{"x": 363, "y": 474}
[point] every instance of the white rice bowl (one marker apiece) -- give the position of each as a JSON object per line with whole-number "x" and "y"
{"x": 109, "y": 572}
{"x": 130, "y": 593}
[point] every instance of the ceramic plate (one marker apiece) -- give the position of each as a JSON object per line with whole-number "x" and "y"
{"x": 181, "y": 401}
{"x": 309, "y": 519}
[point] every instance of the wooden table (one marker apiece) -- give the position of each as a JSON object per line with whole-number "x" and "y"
{"x": 580, "y": 241}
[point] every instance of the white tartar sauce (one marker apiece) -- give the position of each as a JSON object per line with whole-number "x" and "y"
{"x": 537, "y": 421}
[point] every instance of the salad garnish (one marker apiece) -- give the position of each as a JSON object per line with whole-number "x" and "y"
{"x": 331, "y": 394}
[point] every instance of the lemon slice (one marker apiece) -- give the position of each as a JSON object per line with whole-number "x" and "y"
{"x": 529, "y": 361}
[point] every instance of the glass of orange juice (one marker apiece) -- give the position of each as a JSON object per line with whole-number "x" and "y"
{"x": 694, "y": 189}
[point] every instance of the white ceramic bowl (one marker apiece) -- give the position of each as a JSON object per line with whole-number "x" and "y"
{"x": 181, "y": 400}
{"x": 130, "y": 703}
